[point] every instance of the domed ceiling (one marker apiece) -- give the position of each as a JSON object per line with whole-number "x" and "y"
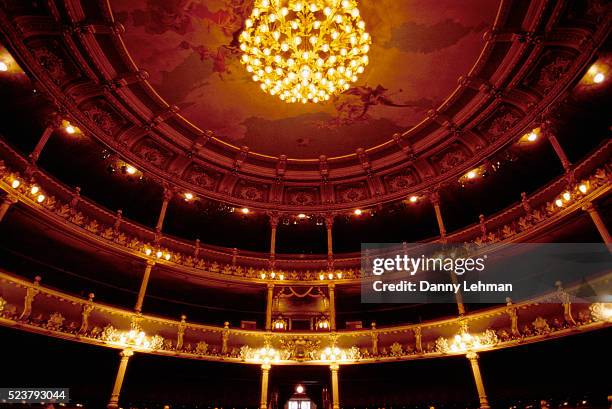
{"x": 419, "y": 50}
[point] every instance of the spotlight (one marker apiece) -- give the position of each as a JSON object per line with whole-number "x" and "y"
{"x": 599, "y": 78}
{"x": 357, "y": 212}
{"x": 3, "y": 66}
{"x": 188, "y": 196}
{"x": 40, "y": 198}
{"x": 559, "y": 202}
{"x": 130, "y": 170}
{"x": 583, "y": 188}
{"x": 532, "y": 137}
{"x": 413, "y": 199}
{"x": 471, "y": 174}
{"x": 301, "y": 216}
{"x": 15, "y": 183}
{"x": 70, "y": 129}
{"x": 567, "y": 196}
{"x": 34, "y": 189}
{"x": 299, "y": 389}
{"x": 245, "y": 210}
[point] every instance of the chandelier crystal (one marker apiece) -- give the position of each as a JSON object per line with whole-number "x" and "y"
{"x": 305, "y": 51}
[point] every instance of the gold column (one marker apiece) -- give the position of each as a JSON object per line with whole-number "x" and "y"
{"x": 162, "y": 213}
{"x": 332, "y": 306}
{"x": 558, "y": 150}
{"x": 265, "y": 373}
{"x": 143, "y": 286}
{"x": 435, "y": 201}
{"x": 41, "y": 143}
{"x": 6, "y": 203}
{"x": 269, "y": 300}
{"x": 329, "y": 222}
{"x": 597, "y": 220}
{"x": 335, "y": 388}
{"x": 482, "y": 396}
{"x": 458, "y": 295}
{"x": 125, "y": 357}
{"x": 273, "y": 226}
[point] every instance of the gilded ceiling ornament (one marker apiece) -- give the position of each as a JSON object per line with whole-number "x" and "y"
{"x": 305, "y": 51}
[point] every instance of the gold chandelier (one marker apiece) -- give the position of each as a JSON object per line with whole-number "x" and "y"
{"x": 305, "y": 50}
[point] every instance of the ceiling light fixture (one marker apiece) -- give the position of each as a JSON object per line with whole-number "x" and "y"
{"x": 188, "y": 196}
{"x": 358, "y": 212}
{"x": 245, "y": 210}
{"x": 3, "y": 66}
{"x": 599, "y": 78}
{"x": 305, "y": 51}
{"x": 413, "y": 199}
{"x": 130, "y": 170}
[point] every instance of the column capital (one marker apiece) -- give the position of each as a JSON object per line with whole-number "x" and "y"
{"x": 126, "y": 353}
{"x": 168, "y": 193}
{"x": 150, "y": 263}
{"x": 589, "y": 207}
{"x": 273, "y": 218}
{"x": 266, "y": 367}
{"x": 434, "y": 197}
{"x": 334, "y": 366}
{"x": 9, "y": 200}
{"x": 270, "y": 286}
{"x": 472, "y": 356}
{"x": 329, "y": 219}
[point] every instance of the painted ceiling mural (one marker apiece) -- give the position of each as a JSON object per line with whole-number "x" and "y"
{"x": 419, "y": 50}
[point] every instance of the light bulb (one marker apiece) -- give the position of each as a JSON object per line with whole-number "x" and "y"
{"x": 599, "y": 78}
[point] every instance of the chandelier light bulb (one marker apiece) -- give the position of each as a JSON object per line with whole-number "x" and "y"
{"x": 599, "y": 78}
{"x": 304, "y": 51}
